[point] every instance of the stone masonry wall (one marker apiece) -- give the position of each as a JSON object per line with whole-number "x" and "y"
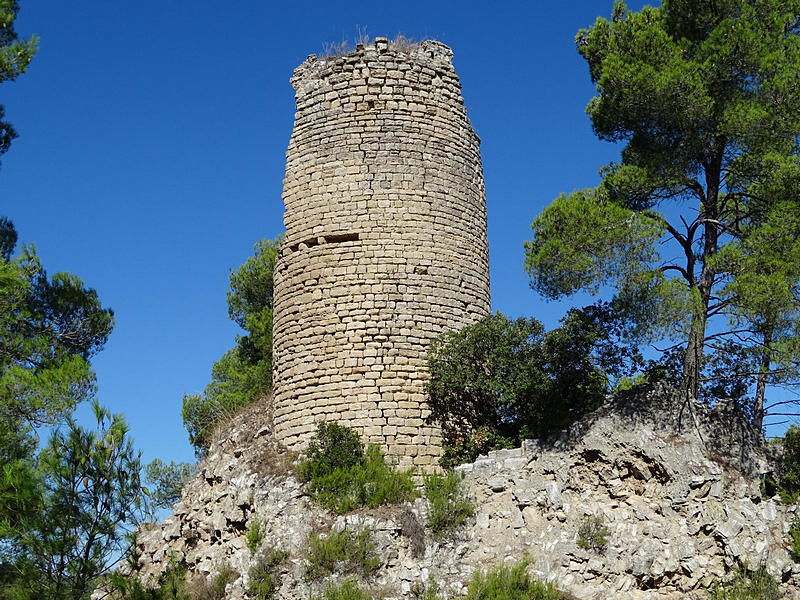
{"x": 385, "y": 243}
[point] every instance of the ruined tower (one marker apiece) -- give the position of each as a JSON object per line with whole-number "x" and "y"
{"x": 385, "y": 243}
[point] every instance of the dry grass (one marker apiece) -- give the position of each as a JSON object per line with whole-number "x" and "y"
{"x": 404, "y": 44}
{"x": 333, "y": 49}
{"x": 247, "y": 433}
{"x": 400, "y": 43}
{"x": 412, "y": 529}
{"x": 201, "y": 587}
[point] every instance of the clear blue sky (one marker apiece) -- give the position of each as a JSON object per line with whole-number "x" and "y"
{"x": 152, "y": 143}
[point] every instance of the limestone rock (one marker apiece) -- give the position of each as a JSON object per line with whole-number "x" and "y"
{"x": 667, "y": 538}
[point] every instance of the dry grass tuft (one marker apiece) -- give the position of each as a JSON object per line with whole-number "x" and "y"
{"x": 404, "y": 44}
{"x": 248, "y": 434}
{"x": 400, "y": 43}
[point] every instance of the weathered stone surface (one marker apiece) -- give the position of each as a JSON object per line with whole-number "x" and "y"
{"x": 667, "y": 539}
{"x": 385, "y": 244}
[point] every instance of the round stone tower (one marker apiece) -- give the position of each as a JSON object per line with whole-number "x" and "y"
{"x": 385, "y": 244}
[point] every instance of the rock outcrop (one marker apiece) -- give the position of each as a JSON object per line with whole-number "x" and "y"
{"x": 682, "y": 509}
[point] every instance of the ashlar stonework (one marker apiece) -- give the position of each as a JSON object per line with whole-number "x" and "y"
{"x": 385, "y": 244}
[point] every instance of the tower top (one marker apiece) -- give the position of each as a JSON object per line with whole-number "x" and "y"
{"x": 431, "y": 52}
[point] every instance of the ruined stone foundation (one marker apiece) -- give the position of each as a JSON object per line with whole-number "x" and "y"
{"x": 385, "y": 244}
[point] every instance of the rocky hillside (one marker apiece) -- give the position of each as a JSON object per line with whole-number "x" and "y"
{"x": 677, "y": 488}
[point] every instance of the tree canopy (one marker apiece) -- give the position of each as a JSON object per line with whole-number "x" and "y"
{"x": 88, "y": 499}
{"x": 65, "y": 509}
{"x": 244, "y": 372}
{"x": 51, "y": 327}
{"x": 15, "y": 55}
{"x": 500, "y": 380}
{"x": 694, "y": 229}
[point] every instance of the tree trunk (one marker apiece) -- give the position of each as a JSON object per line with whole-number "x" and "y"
{"x": 693, "y": 359}
{"x": 761, "y": 384}
{"x": 695, "y": 346}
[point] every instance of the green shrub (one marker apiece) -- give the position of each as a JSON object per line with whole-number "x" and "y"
{"x": 265, "y": 575}
{"x": 507, "y": 379}
{"x": 756, "y": 585}
{"x": 593, "y": 533}
{"x": 426, "y": 591}
{"x": 788, "y": 472}
{"x": 341, "y": 551}
{"x": 171, "y": 585}
{"x": 172, "y": 582}
{"x": 794, "y": 538}
{"x": 346, "y": 590}
{"x": 220, "y": 581}
{"x": 448, "y": 503}
{"x": 254, "y": 536}
{"x": 342, "y": 476}
{"x": 128, "y": 587}
{"x": 510, "y": 583}
{"x": 334, "y": 447}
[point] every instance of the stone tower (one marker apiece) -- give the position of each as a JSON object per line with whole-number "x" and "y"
{"x": 385, "y": 244}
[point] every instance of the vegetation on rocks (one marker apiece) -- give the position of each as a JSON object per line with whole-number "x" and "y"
{"x": 265, "y": 575}
{"x": 341, "y": 551}
{"x": 345, "y": 590}
{"x": 200, "y": 587}
{"x": 510, "y": 582}
{"x": 175, "y": 583}
{"x": 794, "y": 538}
{"x": 428, "y": 590}
{"x": 449, "y": 505}
{"x": 254, "y": 535}
{"x": 171, "y": 585}
{"x": 593, "y": 533}
{"x": 747, "y": 585}
{"x": 342, "y": 475}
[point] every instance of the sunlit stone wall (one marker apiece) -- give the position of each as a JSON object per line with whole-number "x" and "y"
{"x": 385, "y": 244}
